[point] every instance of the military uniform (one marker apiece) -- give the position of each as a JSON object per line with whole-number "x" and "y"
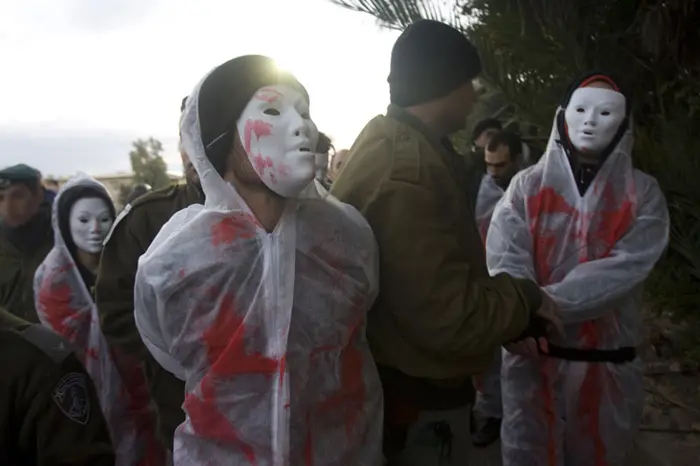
{"x": 49, "y": 411}
{"x": 23, "y": 249}
{"x": 132, "y": 234}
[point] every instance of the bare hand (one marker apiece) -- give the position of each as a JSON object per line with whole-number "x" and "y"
{"x": 549, "y": 311}
{"x": 526, "y": 347}
{"x": 532, "y": 347}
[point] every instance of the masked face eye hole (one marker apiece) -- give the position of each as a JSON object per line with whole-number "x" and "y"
{"x": 272, "y": 112}
{"x": 580, "y": 109}
{"x": 605, "y": 113}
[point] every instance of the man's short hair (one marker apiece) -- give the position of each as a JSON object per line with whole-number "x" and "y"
{"x": 508, "y": 139}
{"x": 483, "y": 125}
{"x": 324, "y": 144}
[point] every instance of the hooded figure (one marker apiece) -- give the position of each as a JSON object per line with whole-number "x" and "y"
{"x": 82, "y": 215}
{"x": 266, "y": 326}
{"x": 589, "y": 228}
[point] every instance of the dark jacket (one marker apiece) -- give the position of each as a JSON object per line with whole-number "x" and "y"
{"x": 22, "y": 250}
{"x": 49, "y": 411}
{"x": 439, "y": 316}
{"x": 132, "y": 234}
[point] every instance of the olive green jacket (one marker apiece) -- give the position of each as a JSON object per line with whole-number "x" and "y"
{"x": 17, "y": 270}
{"x": 438, "y": 314}
{"x": 49, "y": 410}
{"x": 130, "y": 237}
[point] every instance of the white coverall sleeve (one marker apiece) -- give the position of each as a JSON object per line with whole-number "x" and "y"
{"x": 508, "y": 241}
{"x": 590, "y": 290}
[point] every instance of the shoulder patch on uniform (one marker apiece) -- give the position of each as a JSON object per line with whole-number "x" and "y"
{"x": 122, "y": 214}
{"x": 53, "y": 345}
{"x": 71, "y": 396}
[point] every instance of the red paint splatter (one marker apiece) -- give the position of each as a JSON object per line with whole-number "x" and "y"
{"x": 613, "y": 226}
{"x": 208, "y": 422}
{"x": 546, "y": 396}
{"x": 608, "y": 225}
{"x": 225, "y": 344}
{"x": 224, "y": 341}
{"x": 590, "y": 396}
{"x": 308, "y": 444}
{"x": 55, "y": 296}
{"x": 258, "y": 128}
{"x": 261, "y": 164}
{"x": 268, "y": 94}
{"x": 351, "y": 395}
{"x": 284, "y": 169}
{"x": 233, "y": 227}
{"x": 546, "y": 202}
{"x": 282, "y": 369}
{"x": 137, "y": 403}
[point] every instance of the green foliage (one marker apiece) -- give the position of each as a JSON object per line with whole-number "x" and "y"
{"x": 147, "y": 163}
{"x": 531, "y": 50}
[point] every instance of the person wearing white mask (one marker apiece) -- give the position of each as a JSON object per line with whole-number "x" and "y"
{"x": 589, "y": 228}
{"x": 83, "y": 214}
{"x": 258, "y": 298}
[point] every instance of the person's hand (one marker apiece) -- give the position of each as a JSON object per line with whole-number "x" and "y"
{"x": 549, "y": 312}
{"x": 546, "y": 321}
{"x": 526, "y": 347}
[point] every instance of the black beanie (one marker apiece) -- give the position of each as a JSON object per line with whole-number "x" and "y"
{"x": 225, "y": 93}
{"x": 429, "y": 60}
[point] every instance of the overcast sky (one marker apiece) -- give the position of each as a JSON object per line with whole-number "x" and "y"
{"x": 81, "y": 79}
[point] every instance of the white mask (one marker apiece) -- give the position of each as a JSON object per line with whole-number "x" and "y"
{"x": 593, "y": 117}
{"x": 90, "y": 221}
{"x": 279, "y": 138}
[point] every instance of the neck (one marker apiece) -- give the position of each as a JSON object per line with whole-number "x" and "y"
{"x": 587, "y": 158}
{"x": 89, "y": 260}
{"x": 430, "y": 118}
{"x": 266, "y": 205}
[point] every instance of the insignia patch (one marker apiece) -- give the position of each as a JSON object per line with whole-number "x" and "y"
{"x": 71, "y": 396}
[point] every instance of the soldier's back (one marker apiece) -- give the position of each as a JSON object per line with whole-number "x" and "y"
{"x": 49, "y": 412}
{"x": 131, "y": 235}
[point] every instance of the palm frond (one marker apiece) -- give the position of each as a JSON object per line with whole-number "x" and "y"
{"x": 399, "y": 14}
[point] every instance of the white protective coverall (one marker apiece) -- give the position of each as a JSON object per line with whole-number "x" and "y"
{"x": 591, "y": 254}
{"x": 65, "y": 305}
{"x": 488, "y": 385}
{"x": 266, "y": 329}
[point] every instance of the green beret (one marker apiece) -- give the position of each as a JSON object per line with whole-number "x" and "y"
{"x": 18, "y": 174}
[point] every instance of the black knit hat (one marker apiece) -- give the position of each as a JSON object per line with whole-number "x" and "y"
{"x": 225, "y": 93}
{"x": 429, "y": 60}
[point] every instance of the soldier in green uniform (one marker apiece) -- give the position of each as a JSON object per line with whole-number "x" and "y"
{"x": 49, "y": 411}
{"x": 26, "y": 237}
{"x": 132, "y": 234}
